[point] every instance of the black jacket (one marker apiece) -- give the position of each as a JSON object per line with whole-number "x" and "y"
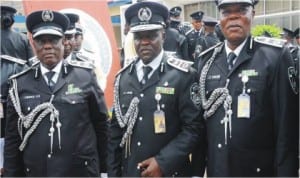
{"x": 266, "y": 144}
{"x": 82, "y": 113}
{"x": 183, "y": 123}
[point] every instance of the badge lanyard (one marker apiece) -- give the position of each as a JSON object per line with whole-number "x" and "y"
{"x": 243, "y": 110}
{"x": 159, "y": 117}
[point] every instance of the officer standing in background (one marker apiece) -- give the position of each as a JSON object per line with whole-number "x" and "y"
{"x": 194, "y": 33}
{"x": 248, "y": 96}
{"x": 69, "y": 40}
{"x": 56, "y": 113}
{"x": 175, "y": 42}
{"x": 209, "y": 38}
{"x": 155, "y": 123}
{"x": 9, "y": 66}
{"x": 78, "y": 37}
{"x": 13, "y": 43}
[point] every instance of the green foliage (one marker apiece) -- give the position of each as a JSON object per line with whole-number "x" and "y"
{"x": 265, "y": 30}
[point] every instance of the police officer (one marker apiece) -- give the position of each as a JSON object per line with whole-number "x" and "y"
{"x": 78, "y": 37}
{"x": 56, "y": 113}
{"x": 194, "y": 33}
{"x": 69, "y": 41}
{"x": 209, "y": 38}
{"x": 9, "y": 66}
{"x": 249, "y": 100}
{"x": 13, "y": 43}
{"x": 175, "y": 43}
{"x": 155, "y": 122}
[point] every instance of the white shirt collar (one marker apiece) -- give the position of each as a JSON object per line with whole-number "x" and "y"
{"x": 237, "y": 50}
{"x": 154, "y": 64}
{"x": 56, "y": 69}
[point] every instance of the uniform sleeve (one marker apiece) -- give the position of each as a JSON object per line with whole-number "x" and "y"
{"x": 114, "y": 149}
{"x": 13, "y": 159}
{"x": 286, "y": 124}
{"x": 99, "y": 117}
{"x": 171, "y": 157}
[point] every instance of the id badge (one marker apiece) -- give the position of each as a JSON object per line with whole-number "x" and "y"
{"x": 1, "y": 111}
{"x": 159, "y": 122}
{"x": 243, "y": 110}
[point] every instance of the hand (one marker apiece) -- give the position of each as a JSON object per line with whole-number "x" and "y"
{"x": 150, "y": 168}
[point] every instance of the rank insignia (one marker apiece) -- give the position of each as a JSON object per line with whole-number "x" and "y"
{"x": 72, "y": 89}
{"x": 165, "y": 90}
{"x": 293, "y": 79}
{"x": 195, "y": 94}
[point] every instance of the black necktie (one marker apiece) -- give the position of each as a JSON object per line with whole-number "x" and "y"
{"x": 230, "y": 59}
{"x": 51, "y": 83}
{"x": 146, "y": 70}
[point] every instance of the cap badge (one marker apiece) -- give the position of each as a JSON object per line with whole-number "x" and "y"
{"x": 47, "y": 16}
{"x": 144, "y": 14}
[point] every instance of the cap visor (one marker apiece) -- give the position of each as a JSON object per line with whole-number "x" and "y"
{"x": 47, "y": 32}
{"x": 140, "y": 28}
{"x": 70, "y": 32}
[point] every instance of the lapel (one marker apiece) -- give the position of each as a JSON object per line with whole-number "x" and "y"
{"x": 131, "y": 76}
{"x": 221, "y": 62}
{"x": 40, "y": 84}
{"x": 61, "y": 81}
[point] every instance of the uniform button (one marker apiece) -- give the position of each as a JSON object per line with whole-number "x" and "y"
{"x": 222, "y": 121}
{"x": 176, "y": 173}
{"x": 139, "y": 143}
{"x": 123, "y": 106}
{"x": 163, "y": 106}
{"x": 86, "y": 163}
{"x": 140, "y": 118}
{"x": 248, "y": 90}
{"x": 49, "y": 155}
{"x": 257, "y": 169}
{"x": 73, "y": 102}
{"x": 142, "y": 95}
{"x": 219, "y": 145}
{"x": 27, "y": 169}
{"x": 28, "y": 109}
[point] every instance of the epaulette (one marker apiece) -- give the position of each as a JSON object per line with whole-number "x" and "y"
{"x": 180, "y": 64}
{"x": 86, "y": 65}
{"x": 127, "y": 66}
{"x": 13, "y": 59}
{"x": 209, "y": 49}
{"x": 270, "y": 41}
{"x": 33, "y": 61}
{"x": 82, "y": 57}
{"x": 188, "y": 31}
{"x": 23, "y": 72}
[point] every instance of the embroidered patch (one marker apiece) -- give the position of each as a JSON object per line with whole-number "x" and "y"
{"x": 195, "y": 94}
{"x": 165, "y": 90}
{"x": 72, "y": 89}
{"x": 293, "y": 79}
{"x": 249, "y": 73}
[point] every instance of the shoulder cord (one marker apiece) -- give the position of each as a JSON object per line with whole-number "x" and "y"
{"x": 40, "y": 112}
{"x": 218, "y": 96}
{"x": 129, "y": 118}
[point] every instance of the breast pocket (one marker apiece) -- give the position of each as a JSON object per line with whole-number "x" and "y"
{"x": 27, "y": 105}
{"x": 73, "y": 99}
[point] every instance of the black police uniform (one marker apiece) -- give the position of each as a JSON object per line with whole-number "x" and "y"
{"x": 13, "y": 43}
{"x": 177, "y": 43}
{"x": 9, "y": 67}
{"x": 265, "y": 144}
{"x": 193, "y": 35}
{"x": 134, "y": 133}
{"x": 58, "y": 131}
{"x": 171, "y": 148}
